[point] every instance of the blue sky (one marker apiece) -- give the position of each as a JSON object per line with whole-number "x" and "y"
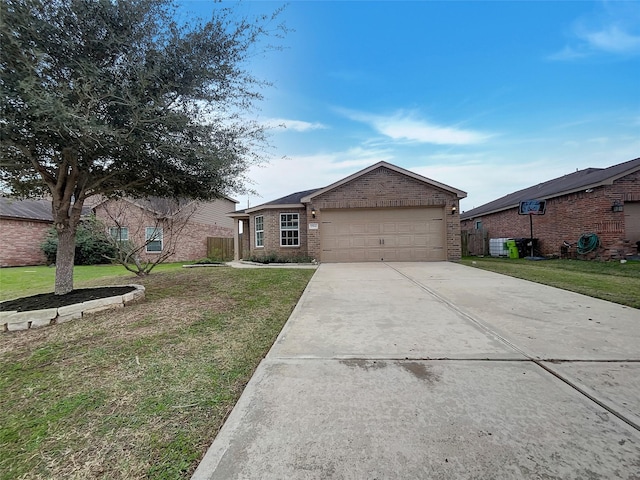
{"x": 488, "y": 97}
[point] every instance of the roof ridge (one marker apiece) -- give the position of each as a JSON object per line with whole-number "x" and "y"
{"x": 570, "y": 182}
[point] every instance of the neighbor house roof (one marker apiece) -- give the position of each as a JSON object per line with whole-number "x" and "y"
{"x": 36, "y": 210}
{"x": 26, "y": 209}
{"x": 571, "y": 183}
{"x": 160, "y": 205}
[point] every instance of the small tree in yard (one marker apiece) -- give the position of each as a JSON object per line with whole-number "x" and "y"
{"x": 115, "y": 98}
{"x": 142, "y": 238}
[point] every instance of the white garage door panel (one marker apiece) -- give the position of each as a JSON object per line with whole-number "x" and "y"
{"x": 373, "y": 235}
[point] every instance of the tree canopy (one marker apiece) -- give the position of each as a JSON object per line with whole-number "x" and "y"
{"x": 116, "y": 97}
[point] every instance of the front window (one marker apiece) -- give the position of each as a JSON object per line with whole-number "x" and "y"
{"x": 289, "y": 230}
{"x": 119, "y": 234}
{"x": 259, "y": 231}
{"x": 153, "y": 239}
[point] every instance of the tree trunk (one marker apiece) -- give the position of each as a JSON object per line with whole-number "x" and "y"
{"x": 64, "y": 260}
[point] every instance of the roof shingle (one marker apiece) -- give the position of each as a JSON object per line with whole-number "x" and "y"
{"x": 582, "y": 179}
{"x": 26, "y": 209}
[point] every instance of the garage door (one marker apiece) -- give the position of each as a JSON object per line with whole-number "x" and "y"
{"x": 390, "y": 234}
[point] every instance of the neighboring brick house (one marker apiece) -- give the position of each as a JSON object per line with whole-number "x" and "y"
{"x": 604, "y": 201}
{"x": 381, "y": 213}
{"x": 23, "y": 227}
{"x": 158, "y": 222}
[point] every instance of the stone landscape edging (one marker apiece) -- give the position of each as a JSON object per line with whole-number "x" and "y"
{"x": 13, "y": 320}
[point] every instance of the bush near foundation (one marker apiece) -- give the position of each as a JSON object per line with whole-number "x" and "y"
{"x": 92, "y": 244}
{"x": 275, "y": 258}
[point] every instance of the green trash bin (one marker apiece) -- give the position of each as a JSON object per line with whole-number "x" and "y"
{"x": 512, "y": 247}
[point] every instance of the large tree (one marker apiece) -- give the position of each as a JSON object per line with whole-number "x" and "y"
{"x": 118, "y": 97}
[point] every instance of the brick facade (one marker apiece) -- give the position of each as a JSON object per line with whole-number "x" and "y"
{"x": 190, "y": 244}
{"x": 271, "y": 224}
{"x": 379, "y": 188}
{"x": 21, "y": 241}
{"x": 569, "y": 216}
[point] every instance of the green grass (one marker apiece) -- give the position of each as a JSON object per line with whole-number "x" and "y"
{"x": 139, "y": 392}
{"x": 613, "y": 281}
{"x": 24, "y": 281}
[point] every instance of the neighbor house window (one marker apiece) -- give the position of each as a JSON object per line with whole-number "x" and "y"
{"x": 259, "y": 231}
{"x": 119, "y": 234}
{"x": 153, "y": 239}
{"x": 478, "y": 224}
{"x": 289, "y": 230}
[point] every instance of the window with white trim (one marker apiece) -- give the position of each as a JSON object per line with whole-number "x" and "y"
{"x": 119, "y": 234}
{"x": 259, "y": 223}
{"x": 153, "y": 239}
{"x": 289, "y": 230}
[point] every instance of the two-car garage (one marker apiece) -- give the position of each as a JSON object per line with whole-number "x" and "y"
{"x": 381, "y": 213}
{"x": 385, "y": 234}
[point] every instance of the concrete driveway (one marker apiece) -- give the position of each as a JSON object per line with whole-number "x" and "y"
{"x": 439, "y": 371}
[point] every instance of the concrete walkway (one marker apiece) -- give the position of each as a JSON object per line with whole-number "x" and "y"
{"x": 439, "y": 371}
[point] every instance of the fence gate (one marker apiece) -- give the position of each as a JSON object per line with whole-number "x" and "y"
{"x": 220, "y": 248}
{"x": 475, "y": 242}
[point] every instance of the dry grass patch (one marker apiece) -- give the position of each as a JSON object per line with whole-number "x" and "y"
{"x": 139, "y": 392}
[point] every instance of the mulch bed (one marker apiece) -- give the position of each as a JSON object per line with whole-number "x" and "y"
{"x": 50, "y": 300}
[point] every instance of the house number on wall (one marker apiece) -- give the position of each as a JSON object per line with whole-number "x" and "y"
{"x": 313, "y": 226}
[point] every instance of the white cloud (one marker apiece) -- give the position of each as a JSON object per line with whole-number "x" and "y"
{"x": 568, "y": 53}
{"x": 488, "y": 180}
{"x": 406, "y": 126}
{"x": 296, "y": 125}
{"x": 489, "y": 175}
{"x": 613, "y": 39}
{"x": 614, "y": 29}
{"x": 486, "y": 172}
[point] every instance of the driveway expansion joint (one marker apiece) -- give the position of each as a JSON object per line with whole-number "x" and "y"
{"x": 537, "y": 360}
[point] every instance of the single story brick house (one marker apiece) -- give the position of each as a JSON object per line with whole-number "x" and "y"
{"x": 601, "y": 201}
{"x": 165, "y": 225}
{"x": 381, "y": 213}
{"x": 23, "y": 227}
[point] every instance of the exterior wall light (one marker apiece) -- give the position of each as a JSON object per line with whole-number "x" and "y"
{"x": 454, "y": 209}
{"x": 313, "y": 212}
{"x": 617, "y": 206}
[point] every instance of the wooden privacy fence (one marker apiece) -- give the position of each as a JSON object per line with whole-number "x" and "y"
{"x": 220, "y": 248}
{"x": 475, "y": 242}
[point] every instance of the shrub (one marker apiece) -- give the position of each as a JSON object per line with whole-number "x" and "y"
{"x": 92, "y": 244}
{"x": 275, "y": 258}
{"x": 208, "y": 261}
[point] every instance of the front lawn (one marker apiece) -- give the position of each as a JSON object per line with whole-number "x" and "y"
{"x": 24, "y": 281}
{"x": 613, "y": 281}
{"x": 142, "y": 391}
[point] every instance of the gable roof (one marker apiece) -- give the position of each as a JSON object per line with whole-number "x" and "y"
{"x": 26, "y": 209}
{"x": 293, "y": 200}
{"x": 298, "y": 199}
{"x": 402, "y": 171}
{"x": 571, "y": 183}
